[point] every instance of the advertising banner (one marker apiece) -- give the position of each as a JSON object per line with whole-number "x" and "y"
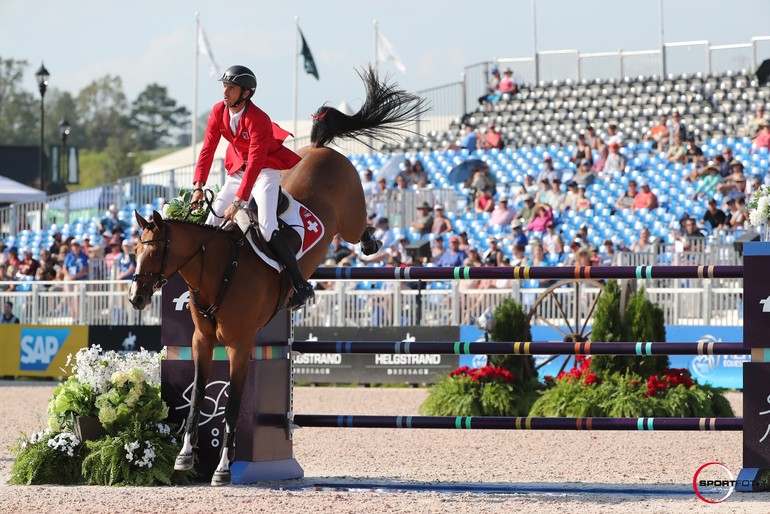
{"x": 127, "y": 338}
{"x": 39, "y": 351}
{"x": 378, "y": 368}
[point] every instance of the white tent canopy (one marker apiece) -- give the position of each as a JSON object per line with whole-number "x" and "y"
{"x": 15, "y": 192}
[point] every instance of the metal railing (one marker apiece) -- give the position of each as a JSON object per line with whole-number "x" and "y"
{"x": 90, "y": 302}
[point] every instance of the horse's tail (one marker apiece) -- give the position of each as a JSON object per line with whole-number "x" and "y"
{"x": 386, "y": 109}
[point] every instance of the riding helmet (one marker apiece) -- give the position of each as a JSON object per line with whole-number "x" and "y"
{"x": 240, "y": 76}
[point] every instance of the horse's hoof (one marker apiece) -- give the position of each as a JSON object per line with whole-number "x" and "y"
{"x": 183, "y": 462}
{"x": 221, "y": 478}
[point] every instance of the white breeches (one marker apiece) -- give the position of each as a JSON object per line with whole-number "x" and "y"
{"x": 265, "y": 193}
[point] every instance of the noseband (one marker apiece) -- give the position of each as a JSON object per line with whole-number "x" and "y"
{"x": 161, "y": 277}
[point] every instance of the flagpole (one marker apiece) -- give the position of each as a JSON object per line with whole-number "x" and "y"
{"x": 296, "y": 76}
{"x": 376, "y": 64}
{"x": 195, "y": 88}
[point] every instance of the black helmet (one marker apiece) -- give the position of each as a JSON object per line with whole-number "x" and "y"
{"x": 240, "y": 76}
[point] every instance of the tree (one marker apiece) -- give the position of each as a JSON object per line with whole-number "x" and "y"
{"x": 102, "y": 110}
{"x": 19, "y": 110}
{"x": 154, "y": 116}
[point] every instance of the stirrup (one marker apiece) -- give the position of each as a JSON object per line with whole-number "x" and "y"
{"x": 302, "y": 294}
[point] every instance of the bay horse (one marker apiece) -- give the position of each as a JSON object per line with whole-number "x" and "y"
{"x": 233, "y": 292}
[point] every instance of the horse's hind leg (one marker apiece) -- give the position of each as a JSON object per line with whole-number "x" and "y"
{"x": 370, "y": 245}
{"x": 239, "y": 370}
{"x": 203, "y": 354}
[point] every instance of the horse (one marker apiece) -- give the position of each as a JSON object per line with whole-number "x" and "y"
{"x": 234, "y": 293}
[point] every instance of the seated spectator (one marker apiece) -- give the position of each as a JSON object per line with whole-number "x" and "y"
{"x": 8, "y": 316}
{"x": 76, "y": 263}
{"x": 519, "y": 237}
{"x": 339, "y": 249}
{"x": 28, "y": 266}
{"x": 538, "y": 257}
{"x": 643, "y": 244}
{"x": 626, "y": 200}
{"x": 691, "y": 230}
{"x": 645, "y": 199}
{"x": 599, "y": 163}
{"x": 401, "y": 183}
{"x": 481, "y": 181}
{"x": 714, "y": 216}
{"x": 437, "y": 248}
{"x": 420, "y": 175}
{"x": 502, "y": 215}
{"x": 613, "y": 137}
{"x": 734, "y": 185}
{"x": 762, "y": 138}
{"x": 613, "y": 161}
{"x": 708, "y": 183}
{"x": 492, "y": 138}
{"x": 555, "y": 197}
{"x": 693, "y": 152}
{"x": 126, "y": 263}
{"x": 571, "y": 198}
{"x": 727, "y": 157}
{"x": 583, "y": 203}
{"x": 384, "y": 233}
{"x": 677, "y": 152}
{"x": 699, "y": 171}
{"x": 582, "y": 151}
{"x": 543, "y": 188}
{"x": 441, "y": 224}
{"x": 658, "y": 134}
{"x": 585, "y": 175}
{"x": 737, "y": 215}
{"x": 543, "y": 215}
{"x": 552, "y": 240}
{"x": 493, "y": 256}
{"x": 13, "y": 257}
{"x": 755, "y": 123}
{"x": 424, "y": 221}
{"x": 608, "y": 256}
{"x": 529, "y": 187}
{"x": 738, "y": 192}
{"x": 549, "y": 172}
{"x": 368, "y": 183}
{"x": 56, "y": 244}
{"x": 676, "y": 127}
{"x": 469, "y": 141}
{"x": 454, "y": 256}
{"x": 594, "y": 142}
{"x": 508, "y": 86}
{"x": 465, "y": 245}
{"x": 519, "y": 258}
{"x": 492, "y": 94}
{"x": 484, "y": 202}
{"x": 527, "y": 211}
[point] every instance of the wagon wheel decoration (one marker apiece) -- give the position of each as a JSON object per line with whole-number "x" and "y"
{"x": 571, "y": 307}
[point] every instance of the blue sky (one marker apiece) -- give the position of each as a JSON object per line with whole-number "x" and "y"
{"x": 144, "y": 42}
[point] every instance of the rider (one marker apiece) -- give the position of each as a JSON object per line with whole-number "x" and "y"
{"x": 253, "y": 160}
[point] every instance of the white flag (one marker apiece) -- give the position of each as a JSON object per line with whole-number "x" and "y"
{"x": 385, "y": 52}
{"x": 205, "y": 49}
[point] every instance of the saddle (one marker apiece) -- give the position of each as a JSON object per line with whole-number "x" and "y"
{"x": 250, "y": 226}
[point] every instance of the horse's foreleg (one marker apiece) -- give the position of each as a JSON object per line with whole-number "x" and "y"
{"x": 239, "y": 370}
{"x": 370, "y": 245}
{"x": 202, "y": 358}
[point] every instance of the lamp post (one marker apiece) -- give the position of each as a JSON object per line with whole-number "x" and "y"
{"x": 64, "y": 131}
{"x": 42, "y": 82}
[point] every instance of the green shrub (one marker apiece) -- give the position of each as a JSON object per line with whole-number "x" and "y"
{"x": 47, "y": 457}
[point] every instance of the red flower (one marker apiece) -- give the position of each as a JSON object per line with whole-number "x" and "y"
{"x": 590, "y": 378}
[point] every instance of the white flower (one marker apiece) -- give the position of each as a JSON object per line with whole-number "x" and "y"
{"x": 130, "y": 447}
{"x": 65, "y": 442}
{"x": 163, "y": 429}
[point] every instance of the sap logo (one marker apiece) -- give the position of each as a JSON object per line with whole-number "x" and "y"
{"x": 39, "y": 347}
{"x": 182, "y": 302}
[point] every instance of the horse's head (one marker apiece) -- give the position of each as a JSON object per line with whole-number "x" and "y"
{"x": 151, "y": 259}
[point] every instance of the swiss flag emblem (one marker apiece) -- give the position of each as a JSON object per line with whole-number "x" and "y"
{"x": 314, "y": 229}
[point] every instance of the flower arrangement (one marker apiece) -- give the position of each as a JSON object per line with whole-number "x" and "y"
{"x": 123, "y": 391}
{"x": 179, "y": 207}
{"x": 759, "y": 207}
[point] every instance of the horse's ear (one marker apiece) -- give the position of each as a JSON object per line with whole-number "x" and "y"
{"x": 157, "y": 219}
{"x": 142, "y": 222}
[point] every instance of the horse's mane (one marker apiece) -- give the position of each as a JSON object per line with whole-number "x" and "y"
{"x": 200, "y": 224}
{"x": 382, "y": 117}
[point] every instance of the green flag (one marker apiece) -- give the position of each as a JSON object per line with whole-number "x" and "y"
{"x": 310, "y": 66}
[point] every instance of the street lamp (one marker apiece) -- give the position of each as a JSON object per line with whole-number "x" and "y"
{"x": 42, "y": 82}
{"x": 64, "y": 131}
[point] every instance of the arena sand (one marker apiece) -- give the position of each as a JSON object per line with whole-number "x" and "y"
{"x": 570, "y": 460}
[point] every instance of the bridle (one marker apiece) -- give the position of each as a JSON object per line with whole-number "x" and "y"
{"x": 160, "y": 276}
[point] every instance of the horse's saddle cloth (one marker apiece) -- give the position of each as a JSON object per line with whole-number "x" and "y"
{"x": 298, "y": 224}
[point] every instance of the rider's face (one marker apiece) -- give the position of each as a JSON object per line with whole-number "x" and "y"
{"x": 231, "y": 94}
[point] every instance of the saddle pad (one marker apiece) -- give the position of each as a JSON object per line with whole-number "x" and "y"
{"x": 298, "y": 217}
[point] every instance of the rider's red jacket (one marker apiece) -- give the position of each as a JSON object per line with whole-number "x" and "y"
{"x": 258, "y": 144}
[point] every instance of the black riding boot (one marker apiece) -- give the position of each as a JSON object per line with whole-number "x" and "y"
{"x": 303, "y": 291}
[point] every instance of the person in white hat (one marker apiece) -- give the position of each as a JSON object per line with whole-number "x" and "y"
{"x": 502, "y": 214}
{"x": 441, "y": 224}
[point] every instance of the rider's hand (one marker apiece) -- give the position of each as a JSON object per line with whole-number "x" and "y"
{"x": 230, "y": 213}
{"x": 197, "y": 196}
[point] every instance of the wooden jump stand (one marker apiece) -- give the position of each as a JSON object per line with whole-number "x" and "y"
{"x": 263, "y": 449}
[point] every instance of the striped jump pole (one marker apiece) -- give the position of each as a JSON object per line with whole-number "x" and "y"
{"x": 529, "y": 272}
{"x": 520, "y": 348}
{"x": 519, "y": 423}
